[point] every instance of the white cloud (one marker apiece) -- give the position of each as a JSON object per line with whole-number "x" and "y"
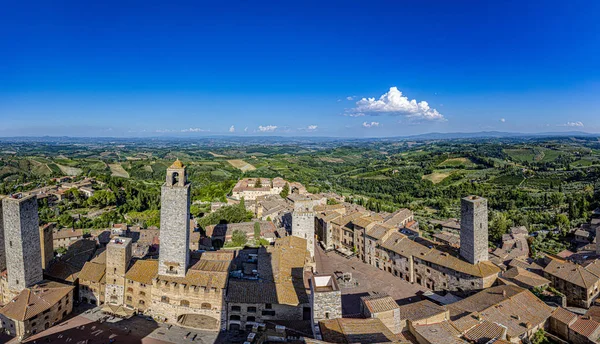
{"x": 502, "y": 120}
{"x": 245, "y": 129}
{"x": 193, "y": 130}
{"x": 572, "y": 124}
{"x": 164, "y": 131}
{"x": 370, "y": 125}
{"x": 267, "y": 128}
{"x": 232, "y": 129}
{"x": 311, "y": 127}
{"x": 395, "y": 104}
{"x": 349, "y": 98}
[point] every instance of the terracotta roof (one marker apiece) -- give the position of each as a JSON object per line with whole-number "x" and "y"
{"x": 585, "y": 326}
{"x": 564, "y": 316}
{"x": 92, "y": 272}
{"x": 573, "y": 273}
{"x": 525, "y": 278}
{"x": 143, "y": 271}
{"x": 442, "y": 332}
{"x": 420, "y": 310}
{"x": 379, "y": 303}
{"x": 67, "y": 233}
{"x": 379, "y": 231}
{"x": 34, "y": 300}
{"x": 397, "y": 217}
{"x": 594, "y": 312}
{"x": 484, "y": 332}
{"x": 208, "y": 272}
{"x": 349, "y": 330}
{"x": 510, "y": 306}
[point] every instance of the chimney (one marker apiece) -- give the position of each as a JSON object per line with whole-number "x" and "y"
{"x": 504, "y": 293}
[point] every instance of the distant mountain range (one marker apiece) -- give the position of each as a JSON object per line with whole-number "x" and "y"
{"x": 303, "y": 139}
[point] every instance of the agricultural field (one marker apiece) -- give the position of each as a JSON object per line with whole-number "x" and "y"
{"x": 241, "y": 165}
{"x": 118, "y": 171}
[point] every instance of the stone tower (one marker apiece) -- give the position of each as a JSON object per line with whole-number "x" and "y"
{"x": 47, "y": 244}
{"x": 22, "y": 240}
{"x": 598, "y": 241}
{"x": 118, "y": 256}
{"x": 325, "y": 300}
{"x": 2, "y": 253}
{"x": 174, "y": 223}
{"x": 474, "y": 229}
{"x": 303, "y": 223}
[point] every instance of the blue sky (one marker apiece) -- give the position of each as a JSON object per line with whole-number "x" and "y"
{"x": 150, "y": 68}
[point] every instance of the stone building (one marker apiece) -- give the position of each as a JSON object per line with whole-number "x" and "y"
{"x": 138, "y": 292}
{"x": 198, "y": 297}
{"x": 267, "y": 284}
{"x": 118, "y": 256}
{"x": 2, "y": 253}
{"x": 174, "y": 223}
{"x": 36, "y": 309}
{"x": 579, "y": 284}
{"x": 22, "y": 240}
{"x": 325, "y": 300}
{"x": 384, "y": 308}
{"x": 63, "y": 238}
{"x": 303, "y": 223}
{"x": 474, "y": 229}
{"x": 92, "y": 280}
{"x": 46, "y": 244}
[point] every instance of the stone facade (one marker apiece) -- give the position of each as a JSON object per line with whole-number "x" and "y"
{"x": 22, "y": 240}
{"x": 325, "y": 300}
{"x": 174, "y": 223}
{"x": 2, "y": 253}
{"x": 118, "y": 256}
{"x": 303, "y": 224}
{"x": 474, "y": 229}
{"x": 46, "y": 244}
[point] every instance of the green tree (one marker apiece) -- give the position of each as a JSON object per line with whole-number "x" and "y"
{"x": 256, "y": 230}
{"x": 562, "y": 222}
{"x": 238, "y": 238}
{"x": 285, "y": 191}
{"x": 258, "y": 183}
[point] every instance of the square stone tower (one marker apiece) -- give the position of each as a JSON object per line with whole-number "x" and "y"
{"x": 2, "y": 253}
{"x": 325, "y": 300}
{"x": 47, "y": 244}
{"x": 118, "y": 256}
{"x": 474, "y": 229}
{"x": 303, "y": 223}
{"x": 22, "y": 241}
{"x": 174, "y": 250}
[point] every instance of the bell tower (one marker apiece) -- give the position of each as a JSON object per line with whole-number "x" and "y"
{"x": 174, "y": 222}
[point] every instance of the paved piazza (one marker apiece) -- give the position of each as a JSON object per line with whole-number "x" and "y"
{"x": 369, "y": 278}
{"x": 87, "y": 328}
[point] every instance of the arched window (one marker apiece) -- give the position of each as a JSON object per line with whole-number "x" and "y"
{"x": 142, "y": 293}
{"x": 142, "y": 302}
{"x": 164, "y": 299}
{"x": 175, "y": 178}
{"x": 251, "y": 318}
{"x": 185, "y": 303}
{"x": 205, "y": 306}
{"x": 234, "y": 317}
{"x": 130, "y": 290}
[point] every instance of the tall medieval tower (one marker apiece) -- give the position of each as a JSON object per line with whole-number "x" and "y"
{"x": 474, "y": 229}
{"x": 22, "y": 241}
{"x": 2, "y": 252}
{"x": 174, "y": 223}
{"x": 303, "y": 223}
{"x": 118, "y": 256}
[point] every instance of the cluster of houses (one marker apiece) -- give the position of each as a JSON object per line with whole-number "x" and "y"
{"x": 177, "y": 274}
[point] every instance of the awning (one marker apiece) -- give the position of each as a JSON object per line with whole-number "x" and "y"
{"x": 119, "y": 311}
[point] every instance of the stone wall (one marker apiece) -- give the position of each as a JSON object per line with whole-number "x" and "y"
{"x": 118, "y": 255}
{"x": 243, "y": 314}
{"x": 174, "y": 230}
{"x": 326, "y": 305}
{"x": 303, "y": 226}
{"x": 138, "y": 296}
{"x": 47, "y": 246}
{"x": 474, "y": 229}
{"x": 22, "y": 240}
{"x": 2, "y": 252}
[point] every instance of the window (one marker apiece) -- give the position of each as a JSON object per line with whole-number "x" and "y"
{"x": 268, "y": 306}
{"x": 115, "y": 270}
{"x": 142, "y": 302}
{"x": 142, "y": 293}
{"x": 164, "y": 299}
{"x": 129, "y": 298}
{"x": 236, "y": 308}
{"x": 205, "y": 306}
{"x": 184, "y": 303}
{"x": 130, "y": 290}
{"x": 269, "y": 313}
{"x": 234, "y": 317}
{"x": 251, "y": 309}
{"x": 251, "y": 318}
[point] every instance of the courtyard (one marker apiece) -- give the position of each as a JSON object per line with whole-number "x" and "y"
{"x": 366, "y": 279}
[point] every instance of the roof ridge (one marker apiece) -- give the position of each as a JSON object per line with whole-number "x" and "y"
{"x": 581, "y": 275}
